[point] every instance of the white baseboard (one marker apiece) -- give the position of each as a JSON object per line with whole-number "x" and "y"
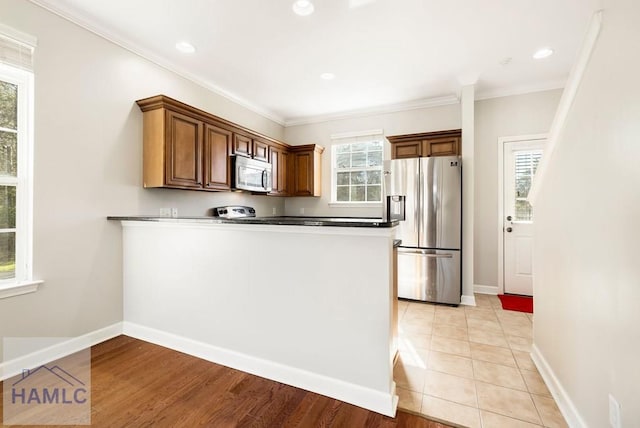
{"x": 43, "y": 356}
{"x": 367, "y": 398}
{"x": 468, "y": 300}
{"x": 566, "y": 406}
{"x": 485, "y": 289}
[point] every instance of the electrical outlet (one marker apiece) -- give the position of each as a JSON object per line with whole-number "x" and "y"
{"x": 174, "y": 212}
{"x": 165, "y": 212}
{"x": 273, "y": 211}
{"x": 302, "y": 211}
{"x": 614, "y": 413}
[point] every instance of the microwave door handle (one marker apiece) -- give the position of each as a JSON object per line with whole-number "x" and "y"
{"x": 264, "y": 179}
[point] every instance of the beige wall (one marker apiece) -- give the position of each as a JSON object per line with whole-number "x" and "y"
{"x": 495, "y": 118}
{"x": 88, "y": 165}
{"x": 407, "y": 122}
{"x": 587, "y": 275}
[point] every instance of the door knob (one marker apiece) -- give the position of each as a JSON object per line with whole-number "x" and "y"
{"x": 509, "y": 218}
{"x": 509, "y": 229}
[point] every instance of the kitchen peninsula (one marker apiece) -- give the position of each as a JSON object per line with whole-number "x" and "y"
{"x": 309, "y": 304}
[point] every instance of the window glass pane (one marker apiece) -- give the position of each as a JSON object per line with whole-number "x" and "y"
{"x": 373, "y": 177}
{"x": 373, "y": 193}
{"x": 375, "y": 145}
{"x": 8, "y": 105}
{"x": 523, "y": 184}
{"x": 342, "y": 193}
{"x": 375, "y": 159}
{"x": 358, "y": 177}
{"x": 359, "y": 147}
{"x": 357, "y": 193}
{"x": 358, "y": 159}
{"x": 8, "y": 154}
{"x": 7, "y": 255}
{"x": 7, "y": 207}
{"x": 343, "y": 160}
{"x": 536, "y": 160}
{"x": 343, "y": 148}
{"x": 343, "y": 178}
{"x": 524, "y": 212}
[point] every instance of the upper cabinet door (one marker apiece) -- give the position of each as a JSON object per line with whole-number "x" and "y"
{"x": 444, "y": 146}
{"x": 242, "y": 145}
{"x": 406, "y": 149}
{"x": 260, "y": 150}
{"x": 183, "y": 147}
{"x": 217, "y": 165}
{"x": 278, "y": 157}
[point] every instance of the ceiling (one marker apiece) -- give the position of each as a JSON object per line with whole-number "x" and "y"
{"x": 385, "y": 54}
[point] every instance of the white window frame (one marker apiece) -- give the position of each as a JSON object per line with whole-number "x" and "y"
{"x": 23, "y": 281}
{"x": 351, "y": 138}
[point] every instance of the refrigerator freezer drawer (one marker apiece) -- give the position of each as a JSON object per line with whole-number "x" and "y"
{"x": 429, "y": 275}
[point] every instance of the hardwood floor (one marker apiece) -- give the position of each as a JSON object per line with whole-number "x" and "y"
{"x": 138, "y": 384}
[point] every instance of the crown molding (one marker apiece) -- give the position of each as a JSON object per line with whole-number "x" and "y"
{"x": 391, "y": 108}
{"x": 97, "y": 29}
{"x": 520, "y": 90}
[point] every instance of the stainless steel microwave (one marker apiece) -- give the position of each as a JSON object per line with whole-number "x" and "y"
{"x": 250, "y": 174}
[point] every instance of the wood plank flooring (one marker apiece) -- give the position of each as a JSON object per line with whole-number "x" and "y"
{"x": 138, "y": 384}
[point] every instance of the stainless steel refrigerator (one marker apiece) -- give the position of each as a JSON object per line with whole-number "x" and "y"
{"x": 429, "y": 257}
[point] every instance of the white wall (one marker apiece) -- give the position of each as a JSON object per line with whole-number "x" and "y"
{"x": 494, "y": 118}
{"x": 407, "y": 122}
{"x": 587, "y": 286}
{"x": 322, "y": 326}
{"x": 88, "y": 165}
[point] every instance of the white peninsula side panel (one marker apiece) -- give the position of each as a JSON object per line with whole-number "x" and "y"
{"x": 308, "y": 306}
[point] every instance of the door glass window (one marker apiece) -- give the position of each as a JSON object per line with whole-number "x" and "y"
{"x": 526, "y": 163}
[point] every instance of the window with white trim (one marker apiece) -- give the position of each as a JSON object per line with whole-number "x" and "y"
{"x": 16, "y": 151}
{"x": 356, "y": 168}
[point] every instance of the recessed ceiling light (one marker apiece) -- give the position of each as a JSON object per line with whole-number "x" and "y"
{"x": 543, "y": 53}
{"x": 185, "y": 47}
{"x": 327, "y": 76}
{"x": 302, "y": 7}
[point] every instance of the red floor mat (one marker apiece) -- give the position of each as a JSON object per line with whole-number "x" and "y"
{"x": 511, "y": 302}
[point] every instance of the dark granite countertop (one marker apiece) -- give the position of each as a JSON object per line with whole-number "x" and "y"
{"x": 282, "y": 220}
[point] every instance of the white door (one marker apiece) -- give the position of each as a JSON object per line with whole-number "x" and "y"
{"x": 521, "y": 160}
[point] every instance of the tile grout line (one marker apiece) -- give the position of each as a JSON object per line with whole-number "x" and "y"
{"x": 473, "y": 372}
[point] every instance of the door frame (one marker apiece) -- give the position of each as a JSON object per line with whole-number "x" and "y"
{"x": 501, "y": 142}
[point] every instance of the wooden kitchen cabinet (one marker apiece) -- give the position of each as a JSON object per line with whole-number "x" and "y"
{"x": 306, "y": 170}
{"x": 242, "y": 145}
{"x": 217, "y": 161}
{"x": 441, "y": 143}
{"x": 406, "y": 149}
{"x": 260, "y": 150}
{"x": 188, "y": 148}
{"x": 443, "y": 146}
{"x": 172, "y": 147}
{"x": 279, "y": 159}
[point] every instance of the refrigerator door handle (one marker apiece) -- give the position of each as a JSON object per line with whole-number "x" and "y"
{"x": 425, "y": 253}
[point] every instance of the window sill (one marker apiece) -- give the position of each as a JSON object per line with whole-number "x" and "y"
{"x": 18, "y": 288}
{"x": 355, "y": 205}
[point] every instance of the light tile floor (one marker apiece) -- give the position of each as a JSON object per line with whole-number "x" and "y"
{"x": 471, "y": 366}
